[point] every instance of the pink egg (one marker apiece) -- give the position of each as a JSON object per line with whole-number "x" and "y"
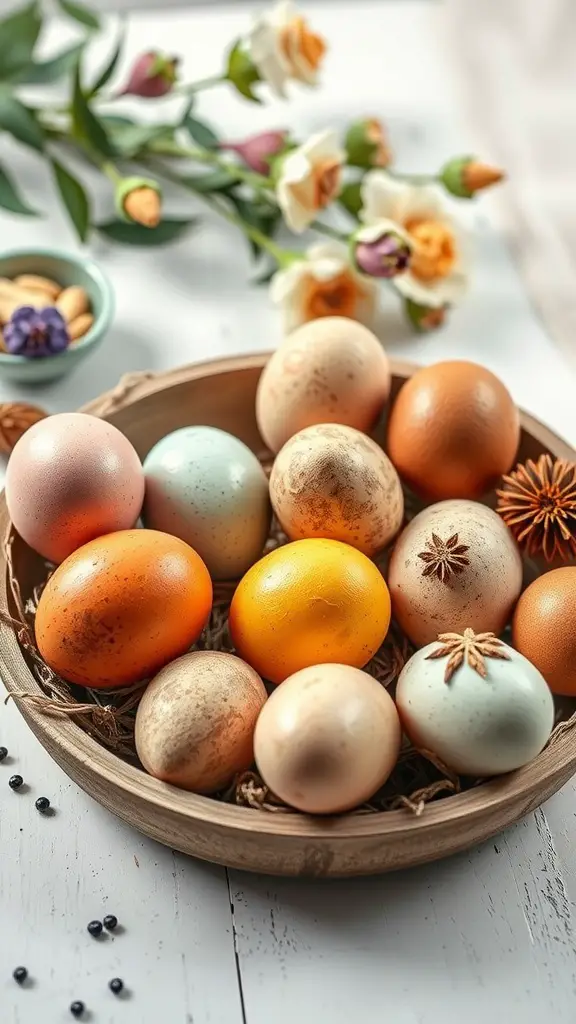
{"x": 71, "y": 478}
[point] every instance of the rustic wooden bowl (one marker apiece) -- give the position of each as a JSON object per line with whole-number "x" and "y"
{"x": 146, "y": 407}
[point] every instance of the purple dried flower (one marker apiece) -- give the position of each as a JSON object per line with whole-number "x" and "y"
{"x": 385, "y": 256}
{"x": 152, "y": 76}
{"x": 35, "y": 333}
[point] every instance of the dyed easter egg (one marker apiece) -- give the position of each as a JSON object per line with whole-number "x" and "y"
{"x": 121, "y": 607}
{"x": 70, "y": 478}
{"x": 544, "y": 627}
{"x": 206, "y": 487}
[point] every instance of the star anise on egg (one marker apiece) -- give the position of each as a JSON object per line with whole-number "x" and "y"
{"x": 468, "y": 647}
{"x": 444, "y": 557}
{"x": 538, "y": 504}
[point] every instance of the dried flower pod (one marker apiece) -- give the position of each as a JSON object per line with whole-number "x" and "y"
{"x": 15, "y": 419}
{"x": 139, "y": 200}
{"x": 464, "y": 176}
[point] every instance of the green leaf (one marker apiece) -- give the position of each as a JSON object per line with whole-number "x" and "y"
{"x": 242, "y": 72}
{"x": 136, "y": 234}
{"x": 109, "y": 68}
{"x": 10, "y": 198}
{"x": 78, "y": 12}
{"x": 351, "y": 197}
{"x": 18, "y": 35}
{"x": 213, "y": 181}
{"x": 86, "y": 127}
{"x": 20, "y": 121}
{"x": 200, "y": 132}
{"x": 131, "y": 138}
{"x": 260, "y": 215}
{"x": 49, "y": 71}
{"x": 74, "y": 198}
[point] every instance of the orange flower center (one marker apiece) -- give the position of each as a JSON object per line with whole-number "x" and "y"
{"x": 327, "y": 176}
{"x": 434, "y": 253}
{"x": 375, "y": 134}
{"x": 337, "y": 297}
{"x": 296, "y": 39}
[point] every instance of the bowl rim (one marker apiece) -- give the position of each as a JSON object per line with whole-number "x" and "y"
{"x": 100, "y": 326}
{"x": 525, "y": 785}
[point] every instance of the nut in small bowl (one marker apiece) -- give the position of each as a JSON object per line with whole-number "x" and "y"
{"x": 72, "y": 285}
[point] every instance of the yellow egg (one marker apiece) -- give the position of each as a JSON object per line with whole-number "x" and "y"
{"x": 333, "y": 481}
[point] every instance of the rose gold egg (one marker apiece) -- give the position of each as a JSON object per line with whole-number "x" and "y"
{"x": 455, "y": 566}
{"x": 331, "y": 370}
{"x": 71, "y": 478}
{"x": 195, "y": 722}
{"x": 333, "y": 481}
{"x": 327, "y": 739}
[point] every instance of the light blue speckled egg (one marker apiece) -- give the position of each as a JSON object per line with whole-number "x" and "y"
{"x": 206, "y": 487}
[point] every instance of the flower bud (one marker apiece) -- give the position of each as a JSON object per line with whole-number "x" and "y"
{"x": 366, "y": 144}
{"x": 139, "y": 200}
{"x": 381, "y": 250}
{"x": 258, "y": 150}
{"x": 464, "y": 176}
{"x": 425, "y": 318}
{"x": 152, "y": 76}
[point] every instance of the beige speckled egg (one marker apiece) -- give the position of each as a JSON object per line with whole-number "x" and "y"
{"x": 333, "y": 481}
{"x": 327, "y": 739}
{"x": 455, "y": 566}
{"x": 72, "y": 478}
{"x": 331, "y": 370}
{"x": 195, "y": 722}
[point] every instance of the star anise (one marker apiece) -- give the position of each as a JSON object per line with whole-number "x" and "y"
{"x": 470, "y": 647}
{"x": 444, "y": 557}
{"x": 538, "y": 504}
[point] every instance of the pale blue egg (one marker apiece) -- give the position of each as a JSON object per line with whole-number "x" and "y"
{"x": 206, "y": 487}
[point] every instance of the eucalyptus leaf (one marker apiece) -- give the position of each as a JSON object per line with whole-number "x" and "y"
{"x": 10, "y": 198}
{"x": 109, "y": 68}
{"x": 48, "y": 71}
{"x": 74, "y": 198}
{"x": 80, "y": 13}
{"x": 213, "y": 181}
{"x": 20, "y": 121}
{"x": 18, "y": 35}
{"x": 200, "y": 132}
{"x": 136, "y": 234}
{"x": 86, "y": 127}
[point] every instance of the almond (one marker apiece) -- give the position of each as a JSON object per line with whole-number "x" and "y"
{"x": 72, "y": 302}
{"x": 80, "y": 326}
{"x": 15, "y": 419}
{"x": 40, "y": 284}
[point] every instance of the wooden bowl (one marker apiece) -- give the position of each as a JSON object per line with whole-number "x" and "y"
{"x": 146, "y": 407}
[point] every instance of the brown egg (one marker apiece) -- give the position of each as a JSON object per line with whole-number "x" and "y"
{"x": 453, "y": 431}
{"x": 327, "y": 739}
{"x": 544, "y": 628}
{"x": 195, "y": 722}
{"x": 455, "y": 566}
{"x": 332, "y": 370}
{"x": 333, "y": 481}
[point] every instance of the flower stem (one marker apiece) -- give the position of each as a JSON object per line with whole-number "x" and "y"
{"x": 160, "y": 147}
{"x": 326, "y": 229}
{"x": 413, "y": 179}
{"x": 111, "y": 172}
{"x": 190, "y": 88}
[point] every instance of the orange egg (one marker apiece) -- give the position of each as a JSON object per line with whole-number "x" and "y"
{"x": 453, "y": 431}
{"x": 544, "y": 629}
{"x": 308, "y": 603}
{"x": 121, "y": 607}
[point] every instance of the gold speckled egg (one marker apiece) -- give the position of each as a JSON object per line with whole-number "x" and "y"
{"x": 455, "y": 566}
{"x": 333, "y": 481}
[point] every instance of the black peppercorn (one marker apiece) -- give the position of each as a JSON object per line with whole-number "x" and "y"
{"x": 110, "y": 922}
{"x": 20, "y": 974}
{"x": 116, "y": 986}
{"x": 3, "y": 753}
{"x": 95, "y": 928}
{"x": 77, "y": 1008}
{"x": 42, "y": 804}
{"x": 15, "y": 781}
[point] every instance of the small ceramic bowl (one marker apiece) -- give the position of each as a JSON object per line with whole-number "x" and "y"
{"x": 67, "y": 269}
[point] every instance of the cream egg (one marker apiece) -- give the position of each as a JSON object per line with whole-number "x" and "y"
{"x": 490, "y": 713}
{"x": 195, "y": 722}
{"x": 333, "y": 481}
{"x": 206, "y": 487}
{"x": 331, "y": 370}
{"x": 455, "y": 565}
{"x": 72, "y": 478}
{"x": 327, "y": 739}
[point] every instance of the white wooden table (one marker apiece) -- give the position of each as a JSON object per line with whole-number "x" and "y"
{"x": 488, "y": 934}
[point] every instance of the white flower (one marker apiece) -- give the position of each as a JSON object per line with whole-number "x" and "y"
{"x": 282, "y": 47}
{"x": 310, "y": 178}
{"x": 438, "y": 272}
{"x": 323, "y": 284}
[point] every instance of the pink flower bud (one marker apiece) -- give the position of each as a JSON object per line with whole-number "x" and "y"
{"x": 152, "y": 76}
{"x": 258, "y": 150}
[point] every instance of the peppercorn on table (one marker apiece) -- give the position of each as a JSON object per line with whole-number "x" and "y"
{"x": 107, "y": 926}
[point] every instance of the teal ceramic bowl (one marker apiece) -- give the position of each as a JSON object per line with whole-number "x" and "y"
{"x": 67, "y": 269}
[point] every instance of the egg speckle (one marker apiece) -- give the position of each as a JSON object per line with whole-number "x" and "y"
{"x": 195, "y": 722}
{"x": 333, "y": 481}
{"x": 327, "y": 739}
{"x": 206, "y": 487}
{"x": 331, "y": 370}
{"x": 70, "y": 478}
{"x": 544, "y": 628}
